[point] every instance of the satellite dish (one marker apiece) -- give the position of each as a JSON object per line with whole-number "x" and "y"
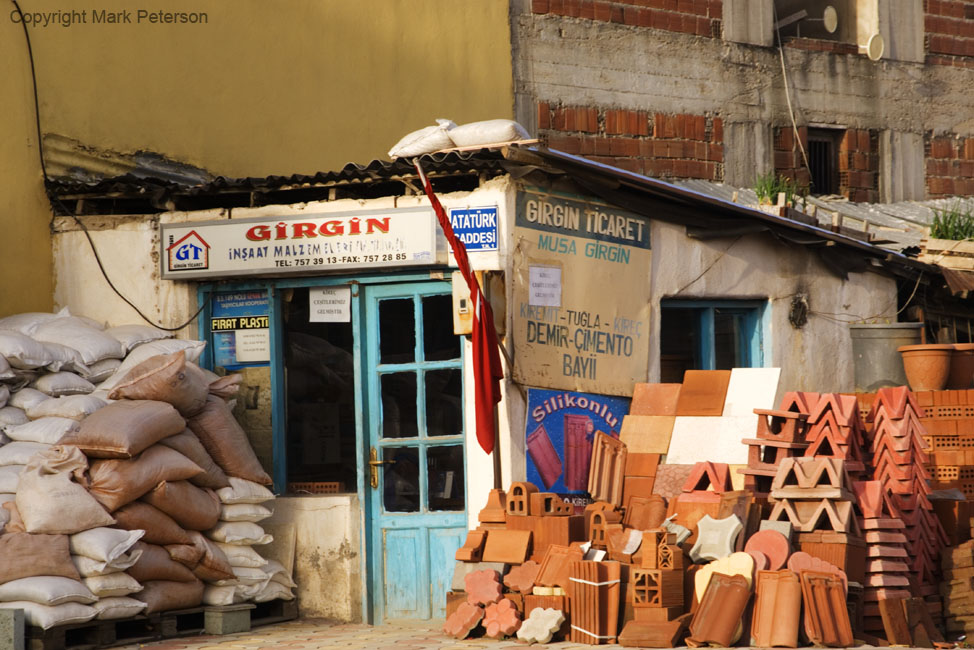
{"x": 830, "y": 19}
{"x": 875, "y": 47}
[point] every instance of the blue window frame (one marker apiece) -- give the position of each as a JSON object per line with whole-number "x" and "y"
{"x": 711, "y": 335}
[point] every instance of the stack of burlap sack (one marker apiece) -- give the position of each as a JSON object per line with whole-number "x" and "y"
{"x": 142, "y": 499}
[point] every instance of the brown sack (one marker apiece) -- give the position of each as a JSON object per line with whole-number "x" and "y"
{"x": 166, "y": 378}
{"x": 190, "y": 446}
{"x": 226, "y": 387}
{"x": 188, "y": 555}
{"x": 191, "y": 507}
{"x": 50, "y": 502}
{"x": 158, "y": 526}
{"x": 23, "y": 555}
{"x": 117, "y": 482}
{"x": 226, "y": 442}
{"x": 213, "y": 565}
{"x": 125, "y": 428}
{"x": 16, "y": 524}
{"x": 166, "y": 595}
{"x": 155, "y": 564}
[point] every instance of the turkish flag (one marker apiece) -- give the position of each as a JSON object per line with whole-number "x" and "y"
{"x": 487, "y": 369}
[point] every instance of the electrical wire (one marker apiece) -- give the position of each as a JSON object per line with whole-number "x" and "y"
{"x": 784, "y": 80}
{"x": 53, "y": 198}
{"x": 709, "y": 266}
{"x": 860, "y": 319}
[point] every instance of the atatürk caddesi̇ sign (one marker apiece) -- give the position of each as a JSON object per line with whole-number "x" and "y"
{"x": 306, "y": 243}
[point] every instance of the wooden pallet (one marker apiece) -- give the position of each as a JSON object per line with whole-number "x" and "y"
{"x": 145, "y": 629}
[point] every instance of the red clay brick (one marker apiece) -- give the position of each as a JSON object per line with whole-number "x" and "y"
{"x": 617, "y": 16}
{"x": 717, "y": 132}
{"x": 539, "y": 6}
{"x": 544, "y": 116}
{"x": 603, "y": 11}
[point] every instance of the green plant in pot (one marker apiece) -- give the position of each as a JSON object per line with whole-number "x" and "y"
{"x": 769, "y": 186}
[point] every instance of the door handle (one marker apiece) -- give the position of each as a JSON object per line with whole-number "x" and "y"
{"x": 374, "y": 464}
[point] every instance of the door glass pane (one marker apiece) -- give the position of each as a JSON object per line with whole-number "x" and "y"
{"x": 679, "y": 339}
{"x": 444, "y": 466}
{"x": 727, "y": 339}
{"x": 399, "y": 405}
{"x": 400, "y": 479}
{"x": 439, "y": 341}
{"x": 397, "y": 331}
{"x": 444, "y": 402}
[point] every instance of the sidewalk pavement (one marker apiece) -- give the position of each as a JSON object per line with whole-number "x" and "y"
{"x": 309, "y": 634}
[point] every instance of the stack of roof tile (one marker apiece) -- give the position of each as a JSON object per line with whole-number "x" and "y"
{"x": 887, "y": 567}
{"x": 958, "y": 597}
{"x": 898, "y": 458}
{"x": 780, "y": 435}
{"x": 835, "y": 430}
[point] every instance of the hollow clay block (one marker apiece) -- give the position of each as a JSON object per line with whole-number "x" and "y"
{"x": 461, "y": 623}
{"x": 540, "y": 625}
{"x": 502, "y": 619}
{"x": 716, "y": 538}
{"x": 544, "y": 456}
{"x": 483, "y": 587}
{"x": 518, "y": 498}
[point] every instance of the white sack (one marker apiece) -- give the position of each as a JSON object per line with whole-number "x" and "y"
{"x": 19, "y": 453}
{"x": 93, "y": 344}
{"x": 113, "y": 608}
{"x": 21, "y": 351}
{"x": 133, "y": 335}
{"x": 104, "y": 544}
{"x": 238, "y": 532}
{"x": 45, "y": 617}
{"x": 26, "y": 398}
{"x": 112, "y": 585}
{"x": 9, "y": 478}
{"x": 243, "y": 491}
{"x": 487, "y": 132}
{"x": 242, "y": 556}
{"x": 425, "y": 140}
{"x": 43, "y": 430}
{"x": 57, "y": 384}
{"x": 11, "y": 415}
{"x": 252, "y": 512}
{"x": 47, "y": 590}
{"x": 76, "y": 407}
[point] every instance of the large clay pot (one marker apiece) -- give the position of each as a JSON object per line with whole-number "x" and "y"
{"x": 927, "y": 366}
{"x": 961, "y": 374}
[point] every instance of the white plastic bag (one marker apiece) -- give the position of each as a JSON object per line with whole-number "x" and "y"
{"x": 238, "y": 532}
{"x": 242, "y": 556}
{"x": 244, "y": 491}
{"x": 487, "y": 132}
{"x": 57, "y": 384}
{"x": 94, "y": 345}
{"x": 425, "y": 140}
{"x": 47, "y": 590}
{"x": 104, "y": 544}
{"x": 133, "y": 335}
{"x": 21, "y": 351}
{"x": 44, "y": 430}
{"x": 252, "y": 512}
{"x": 46, "y": 617}
{"x": 120, "y": 607}
{"x": 112, "y": 585}
{"x": 76, "y": 407}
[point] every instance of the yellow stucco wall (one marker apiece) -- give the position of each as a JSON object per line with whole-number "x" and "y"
{"x": 26, "y": 265}
{"x": 272, "y": 87}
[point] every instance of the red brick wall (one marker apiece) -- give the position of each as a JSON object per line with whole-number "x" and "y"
{"x": 949, "y": 27}
{"x": 858, "y": 160}
{"x": 700, "y": 17}
{"x": 663, "y": 146}
{"x": 950, "y": 166}
{"x": 859, "y": 165}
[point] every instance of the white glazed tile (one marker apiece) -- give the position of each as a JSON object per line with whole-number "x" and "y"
{"x": 749, "y": 389}
{"x": 697, "y": 439}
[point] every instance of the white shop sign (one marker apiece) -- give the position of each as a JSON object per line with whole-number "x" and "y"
{"x": 305, "y": 243}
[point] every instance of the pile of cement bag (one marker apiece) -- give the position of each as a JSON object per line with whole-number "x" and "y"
{"x": 126, "y": 484}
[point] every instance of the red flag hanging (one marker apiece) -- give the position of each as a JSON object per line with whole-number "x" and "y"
{"x": 487, "y": 369}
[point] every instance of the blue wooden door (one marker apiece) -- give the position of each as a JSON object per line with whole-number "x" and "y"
{"x": 414, "y": 388}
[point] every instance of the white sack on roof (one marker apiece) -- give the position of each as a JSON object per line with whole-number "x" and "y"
{"x": 487, "y": 132}
{"x": 425, "y": 140}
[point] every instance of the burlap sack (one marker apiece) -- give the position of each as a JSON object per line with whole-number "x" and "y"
{"x": 227, "y": 387}
{"x": 226, "y": 441}
{"x": 155, "y": 564}
{"x": 191, "y": 507}
{"x": 117, "y": 482}
{"x": 158, "y": 526}
{"x": 23, "y": 555}
{"x": 51, "y": 502}
{"x": 190, "y": 446}
{"x": 14, "y": 524}
{"x": 213, "y": 565}
{"x": 165, "y": 595}
{"x": 188, "y": 555}
{"x": 125, "y": 428}
{"x": 166, "y": 378}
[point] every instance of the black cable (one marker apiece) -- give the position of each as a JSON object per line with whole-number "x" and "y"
{"x": 54, "y": 199}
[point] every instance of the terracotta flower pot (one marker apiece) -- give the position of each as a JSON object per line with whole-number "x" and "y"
{"x": 961, "y": 367}
{"x": 927, "y": 366}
